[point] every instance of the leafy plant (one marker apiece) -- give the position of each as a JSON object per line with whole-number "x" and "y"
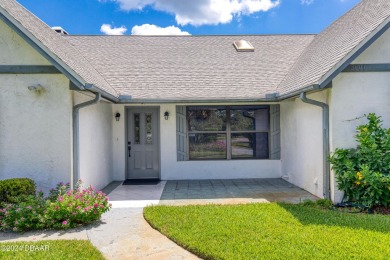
{"x": 12, "y": 188}
{"x": 75, "y": 207}
{"x": 60, "y": 188}
{"x": 364, "y": 173}
{"x": 63, "y": 208}
{"x": 25, "y": 215}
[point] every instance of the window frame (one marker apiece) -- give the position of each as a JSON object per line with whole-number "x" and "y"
{"x": 228, "y": 132}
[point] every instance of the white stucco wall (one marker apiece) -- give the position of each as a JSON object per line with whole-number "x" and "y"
{"x": 356, "y": 94}
{"x": 301, "y": 143}
{"x": 119, "y": 144}
{"x": 35, "y": 130}
{"x": 15, "y": 51}
{"x": 96, "y": 158}
{"x": 171, "y": 169}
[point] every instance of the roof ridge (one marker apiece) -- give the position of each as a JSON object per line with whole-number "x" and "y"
{"x": 194, "y": 36}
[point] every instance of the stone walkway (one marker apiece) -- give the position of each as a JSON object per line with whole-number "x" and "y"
{"x": 123, "y": 233}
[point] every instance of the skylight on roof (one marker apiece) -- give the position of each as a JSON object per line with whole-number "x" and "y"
{"x": 243, "y": 45}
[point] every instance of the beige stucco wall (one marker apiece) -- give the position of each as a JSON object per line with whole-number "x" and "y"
{"x": 35, "y": 130}
{"x": 96, "y": 158}
{"x": 171, "y": 169}
{"x": 301, "y": 143}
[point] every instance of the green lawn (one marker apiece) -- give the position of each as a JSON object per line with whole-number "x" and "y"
{"x": 273, "y": 231}
{"x": 51, "y": 249}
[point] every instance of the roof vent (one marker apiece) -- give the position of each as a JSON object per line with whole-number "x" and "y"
{"x": 60, "y": 30}
{"x": 243, "y": 45}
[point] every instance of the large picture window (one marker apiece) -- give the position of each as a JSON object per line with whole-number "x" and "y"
{"x": 228, "y": 132}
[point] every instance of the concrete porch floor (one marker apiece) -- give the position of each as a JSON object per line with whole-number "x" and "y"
{"x": 232, "y": 191}
{"x": 185, "y": 192}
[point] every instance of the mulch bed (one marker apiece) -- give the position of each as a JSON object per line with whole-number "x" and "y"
{"x": 353, "y": 208}
{"x": 382, "y": 210}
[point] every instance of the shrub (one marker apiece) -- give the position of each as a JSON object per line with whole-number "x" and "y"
{"x": 25, "y": 215}
{"x": 364, "y": 173}
{"x": 12, "y": 188}
{"x": 75, "y": 207}
{"x": 61, "y": 188}
{"x": 63, "y": 208}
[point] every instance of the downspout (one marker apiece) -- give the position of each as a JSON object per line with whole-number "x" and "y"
{"x": 325, "y": 141}
{"x": 76, "y": 162}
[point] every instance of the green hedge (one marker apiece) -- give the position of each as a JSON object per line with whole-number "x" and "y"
{"x": 12, "y": 188}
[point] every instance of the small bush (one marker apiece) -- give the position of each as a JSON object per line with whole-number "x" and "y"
{"x": 12, "y": 188}
{"x": 75, "y": 207}
{"x": 63, "y": 208}
{"x": 364, "y": 173}
{"x": 25, "y": 215}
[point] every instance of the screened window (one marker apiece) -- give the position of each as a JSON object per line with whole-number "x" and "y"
{"x": 228, "y": 132}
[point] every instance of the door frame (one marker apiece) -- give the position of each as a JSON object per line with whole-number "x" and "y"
{"x": 127, "y": 108}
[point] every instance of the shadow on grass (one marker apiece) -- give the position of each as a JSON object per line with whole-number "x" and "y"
{"x": 314, "y": 215}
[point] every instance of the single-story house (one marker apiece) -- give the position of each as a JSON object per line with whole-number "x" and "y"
{"x": 104, "y": 108}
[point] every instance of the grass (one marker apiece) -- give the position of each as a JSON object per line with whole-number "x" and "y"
{"x": 273, "y": 231}
{"x": 50, "y": 249}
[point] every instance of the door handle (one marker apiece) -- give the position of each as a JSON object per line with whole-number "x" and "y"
{"x": 129, "y": 148}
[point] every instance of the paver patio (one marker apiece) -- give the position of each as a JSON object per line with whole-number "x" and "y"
{"x": 232, "y": 191}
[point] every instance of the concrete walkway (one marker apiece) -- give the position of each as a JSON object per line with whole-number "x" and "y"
{"x": 123, "y": 233}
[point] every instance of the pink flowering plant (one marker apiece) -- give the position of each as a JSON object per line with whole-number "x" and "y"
{"x": 75, "y": 207}
{"x": 63, "y": 208}
{"x": 27, "y": 214}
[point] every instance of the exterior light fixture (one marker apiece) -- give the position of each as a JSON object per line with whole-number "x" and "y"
{"x": 38, "y": 89}
{"x": 166, "y": 115}
{"x": 117, "y": 116}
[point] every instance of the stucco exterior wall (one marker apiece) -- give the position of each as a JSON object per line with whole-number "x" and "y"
{"x": 15, "y": 51}
{"x": 356, "y": 94}
{"x": 171, "y": 169}
{"x": 301, "y": 143}
{"x": 96, "y": 159}
{"x": 35, "y": 129}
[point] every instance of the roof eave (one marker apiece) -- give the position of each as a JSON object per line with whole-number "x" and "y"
{"x": 352, "y": 55}
{"x": 194, "y": 101}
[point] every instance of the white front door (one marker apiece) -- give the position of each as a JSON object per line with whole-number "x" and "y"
{"x": 143, "y": 143}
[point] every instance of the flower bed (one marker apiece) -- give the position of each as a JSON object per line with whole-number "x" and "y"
{"x": 63, "y": 208}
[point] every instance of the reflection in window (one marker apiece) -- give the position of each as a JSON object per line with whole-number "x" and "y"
{"x": 251, "y": 118}
{"x": 148, "y": 128}
{"x": 228, "y": 132}
{"x": 250, "y": 145}
{"x": 206, "y": 119}
{"x": 207, "y": 146}
{"x": 137, "y": 129}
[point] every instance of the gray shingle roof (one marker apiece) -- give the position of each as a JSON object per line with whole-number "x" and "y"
{"x": 331, "y": 46}
{"x": 56, "y": 44}
{"x": 191, "y": 67}
{"x": 206, "y": 67}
